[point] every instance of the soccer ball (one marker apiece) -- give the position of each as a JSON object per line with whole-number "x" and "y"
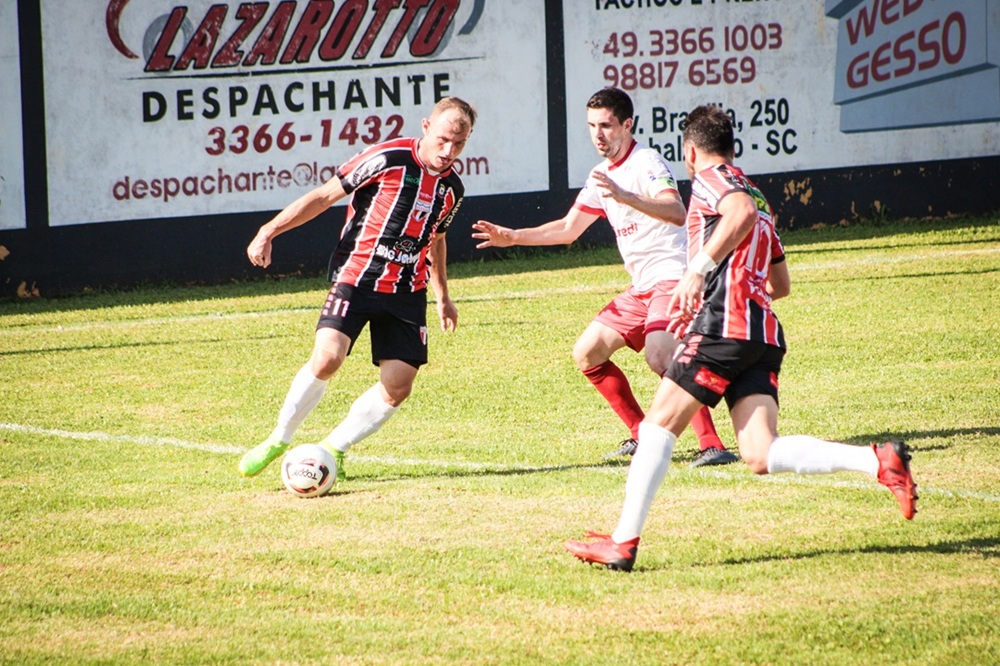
{"x": 308, "y": 471}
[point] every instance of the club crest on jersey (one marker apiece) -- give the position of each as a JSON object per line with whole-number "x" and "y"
{"x": 422, "y": 208}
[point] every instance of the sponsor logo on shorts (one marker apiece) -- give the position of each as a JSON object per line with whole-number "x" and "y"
{"x": 774, "y": 380}
{"x": 423, "y": 335}
{"x": 711, "y": 381}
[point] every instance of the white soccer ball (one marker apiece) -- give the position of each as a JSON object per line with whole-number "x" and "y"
{"x": 308, "y": 470}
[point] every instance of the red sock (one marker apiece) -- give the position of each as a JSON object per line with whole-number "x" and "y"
{"x": 611, "y": 383}
{"x": 704, "y": 427}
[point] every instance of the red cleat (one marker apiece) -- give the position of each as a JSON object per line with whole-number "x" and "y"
{"x": 617, "y": 556}
{"x": 894, "y": 474}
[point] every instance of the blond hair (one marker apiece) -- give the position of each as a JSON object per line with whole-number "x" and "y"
{"x": 454, "y": 103}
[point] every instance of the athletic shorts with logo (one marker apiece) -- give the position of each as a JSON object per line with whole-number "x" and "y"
{"x": 634, "y": 314}
{"x": 710, "y": 368}
{"x": 398, "y": 322}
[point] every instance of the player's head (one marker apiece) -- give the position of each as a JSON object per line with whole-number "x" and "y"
{"x": 609, "y": 117}
{"x": 446, "y": 132}
{"x": 614, "y": 100}
{"x": 709, "y": 130}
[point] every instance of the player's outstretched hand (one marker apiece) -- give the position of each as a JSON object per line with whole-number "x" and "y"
{"x": 608, "y": 187}
{"x": 492, "y": 235}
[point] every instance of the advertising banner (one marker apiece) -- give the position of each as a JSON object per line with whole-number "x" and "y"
{"x": 166, "y": 109}
{"x": 12, "y": 214}
{"x": 809, "y": 85}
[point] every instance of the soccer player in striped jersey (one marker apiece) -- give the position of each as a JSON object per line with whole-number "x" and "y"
{"x": 634, "y": 189}
{"x": 403, "y": 196}
{"x": 732, "y": 348}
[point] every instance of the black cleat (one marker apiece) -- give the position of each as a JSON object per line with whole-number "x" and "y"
{"x": 626, "y": 448}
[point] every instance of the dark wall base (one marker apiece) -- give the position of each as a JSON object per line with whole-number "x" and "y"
{"x": 65, "y": 260}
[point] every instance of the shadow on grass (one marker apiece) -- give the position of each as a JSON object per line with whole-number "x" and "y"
{"x": 899, "y": 276}
{"x": 457, "y": 472}
{"x": 914, "y": 437}
{"x": 794, "y": 247}
{"x": 150, "y": 344}
{"x": 987, "y": 547}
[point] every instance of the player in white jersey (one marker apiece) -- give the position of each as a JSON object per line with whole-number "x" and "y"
{"x": 634, "y": 189}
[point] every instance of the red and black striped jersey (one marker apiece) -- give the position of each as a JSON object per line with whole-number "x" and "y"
{"x": 736, "y": 301}
{"x": 396, "y": 209}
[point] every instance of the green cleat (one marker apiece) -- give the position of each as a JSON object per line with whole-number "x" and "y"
{"x": 256, "y": 459}
{"x": 339, "y": 457}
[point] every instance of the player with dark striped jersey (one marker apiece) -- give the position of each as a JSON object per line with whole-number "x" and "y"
{"x": 403, "y": 195}
{"x": 398, "y": 207}
{"x": 732, "y": 348}
{"x": 737, "y": 304}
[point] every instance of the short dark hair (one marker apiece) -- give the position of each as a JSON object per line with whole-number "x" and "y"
{"x": 710, "y": 129}
{"x": 615, "y": 100}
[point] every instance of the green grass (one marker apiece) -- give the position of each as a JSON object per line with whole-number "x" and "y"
{"x": 127, "y": 536}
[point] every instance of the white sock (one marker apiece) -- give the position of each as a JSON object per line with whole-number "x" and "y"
{"x": 303, "y": 395}
{"x": 645, "y": 476}
{"x": 368, "y": 413}
{"x": 807, "y": 455}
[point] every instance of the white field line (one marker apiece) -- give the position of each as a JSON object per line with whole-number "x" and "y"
{"x": 791, "y": 479}
{"x": 506, "y": 295}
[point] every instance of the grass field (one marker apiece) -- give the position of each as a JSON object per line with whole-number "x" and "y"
{"x": 127, "y": 536}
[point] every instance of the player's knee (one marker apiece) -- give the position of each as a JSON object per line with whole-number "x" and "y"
{"x": 754, "y": 454}
{"x": 581, "y": 358}
{"x": 325, "y": 365}
{"x": 757, "y": 464}
{"x": 657, "y": 363}
{"x": 587, "y": 355}
{"x": 397, "y": 393}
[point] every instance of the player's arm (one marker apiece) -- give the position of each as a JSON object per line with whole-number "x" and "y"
{"x": 779, "y": 281}
{"x": 297, "y": 213}
{"x": 557, "y": 232}
{"x": 438, "y": 255}
{"x": 738, "y": 213}
{"x": 666, "y": 205}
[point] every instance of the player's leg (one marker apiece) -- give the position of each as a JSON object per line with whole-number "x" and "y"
{"x": 697, "y": 377}
{"x": 672, "y": 408}
{"x": 754, "y": 409}
{"x": 660, "y": 348}
{"x": 371, "y": 410}
{"x": 307, "y": 388}
{"x": 618, "y": 325}
{"x": 399, "y": 348}
{"x": 667, "y": 417}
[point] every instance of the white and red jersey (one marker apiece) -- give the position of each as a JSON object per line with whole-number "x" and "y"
{"x": 397, "y": 207}
{"x": 653, "y": 250}
{"x": 736, "y": 301}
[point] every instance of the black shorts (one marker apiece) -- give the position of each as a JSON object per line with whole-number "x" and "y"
{"x": 398, "y": 321}
{"x": 710, "y": 368}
